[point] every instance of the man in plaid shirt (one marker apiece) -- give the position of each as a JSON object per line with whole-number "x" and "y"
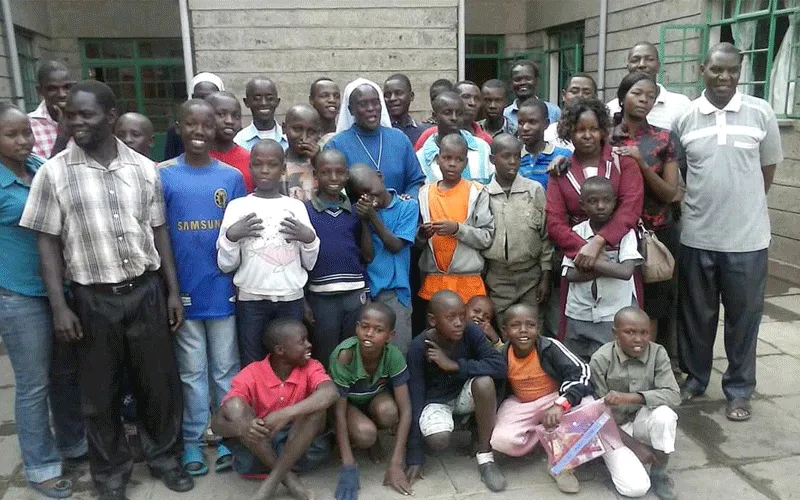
{"x": 53, "y": 82}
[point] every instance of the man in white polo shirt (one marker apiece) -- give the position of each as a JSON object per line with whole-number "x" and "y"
{"x": 669, "y": 106}
{"x": 732, "y": 146}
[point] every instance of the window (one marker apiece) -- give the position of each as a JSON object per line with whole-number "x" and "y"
{"x": 566, "y": 55}
{"x": 146, "y": 75}
{"x": 484, "y": 55}
{"x": 27, "y": 66}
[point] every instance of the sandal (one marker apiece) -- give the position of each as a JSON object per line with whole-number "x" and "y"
{"x": 738, "y": 410}
{"x": 61, "y": 489}
{"x": 193, "y": 461}
{"x": 224, "y": 459}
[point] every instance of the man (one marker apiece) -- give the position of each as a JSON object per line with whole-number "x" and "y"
{"x": 261, "y": 98}
{"x": 580, "y": 85}
{"x": 472, "y": 99}
{"x": 53, "y": 81}
{"x": 732, "y": 146}
{"x": 524, "y": 81}
{"x": 669, "y": 106}
{"x": 99, "y": 211}
{"x": 203, "y": 85}
{"x": 398, "y": 96}
{"x": 325, "y": 97}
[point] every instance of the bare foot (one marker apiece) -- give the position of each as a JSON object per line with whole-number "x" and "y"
{"x": 296, "y": 488}
{"x": 376, "y": 452}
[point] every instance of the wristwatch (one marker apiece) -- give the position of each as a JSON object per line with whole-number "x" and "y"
{"x": 563, "y": 403}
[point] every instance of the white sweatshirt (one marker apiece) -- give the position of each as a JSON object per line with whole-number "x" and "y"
{"x": 267, "y": 266}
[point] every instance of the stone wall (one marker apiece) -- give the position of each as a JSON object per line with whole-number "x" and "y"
{"x": 784, "y": 208}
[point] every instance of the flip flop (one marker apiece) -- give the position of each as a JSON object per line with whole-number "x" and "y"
{"x": 62, "y": 489}
{"x": 224, "y": 459}
{"x": 193, "y": 461}
{"x": 738, "y": 410}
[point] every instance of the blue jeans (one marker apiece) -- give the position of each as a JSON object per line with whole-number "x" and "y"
{"x": 205, "y": 349}
{"x": 252, "y": 318}
{"x": 26, "y": 327}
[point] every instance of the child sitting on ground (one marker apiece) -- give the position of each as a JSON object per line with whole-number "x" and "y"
{"x": 545, "y": 380}
{"x": 452, "y": 370}
{"x": 275, "y": 409}
{"x": 372, "y": 378}
{"x": 480, "y": 310}
{"x": 302, "y": 128}
{"x": 595, "y": 297}
{"x": 520, "y": 258}
{"x": 634, "y": 376}
{"x": 456, "y": 225}
{"x": 228, "y": 114}
{"x": 136, "y": 131}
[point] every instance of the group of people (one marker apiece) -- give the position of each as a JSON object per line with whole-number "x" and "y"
{"x": 351, "y": 271}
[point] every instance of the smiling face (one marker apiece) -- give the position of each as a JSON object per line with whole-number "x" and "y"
{"x": 326, "y": 98}
{"x": 228, "y": 115}
{"x": 640, "y": 99}
{"x": 294, "y": 346}
{"x": 587, "y": 136}
{"x": 261, "y": 97}
{"x": 523, "y": 81}
{"x": 632, "y": 332}
{"x": 721, "y": 75}
{"x": 480, "y": 309}
{"x": 373, "y": 332}
{"x": 16, "y": 136}
{"x": 365, "y": 105}
{"x": 89, "y": 123}
{"x": 197, "y": 126}
{"x": 531, "y": 124}
{"x": 332, "y": 175}
{"x": 521, "y": 328}
{"x": 398, "y": 97}
{"x": 54, "y": 89}
{"x": 267, "y": 166}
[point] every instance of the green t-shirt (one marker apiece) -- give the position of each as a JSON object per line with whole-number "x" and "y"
{"x": 353, "y": 381}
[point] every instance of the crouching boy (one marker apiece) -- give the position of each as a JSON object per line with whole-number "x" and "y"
{"x": 544, "y": 380}
{"x": 275, "y": 409}
{"x": 452, "y": 370}
{"x": 635, "y": 378}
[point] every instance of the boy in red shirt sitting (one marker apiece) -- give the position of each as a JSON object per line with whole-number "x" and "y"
{"x": 275, "y": 409}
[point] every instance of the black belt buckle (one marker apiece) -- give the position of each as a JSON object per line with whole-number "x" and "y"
{"x": 121, "y": 289}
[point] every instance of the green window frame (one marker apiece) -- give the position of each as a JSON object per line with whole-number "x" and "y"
{"x": 27, "y": 65}
{"x": 567, "y": 51}
{"x": 147, "y": 76}
{"x": 485, "y": 47}
{"x": 681, "y": 49}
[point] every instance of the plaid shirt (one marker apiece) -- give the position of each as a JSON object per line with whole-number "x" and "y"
{"x": 104, "y": 216}
{"x": 45, "y": 130}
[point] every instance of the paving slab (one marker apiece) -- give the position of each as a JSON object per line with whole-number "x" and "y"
{"x": 762, "y": 348}
{"x": 784, "y": 336}
{"x": 688, "y": 453}
{"x": 779, "y": 476}
{"x": 6, "y": 372}
{"x": 10, "y": 458}
{"x": 714, "y": 484}
{"x": 778, "y": 375}
{"x": 788, "y": 302}
{"x": 789, "y": 404}
{"x": 7, "y": 404}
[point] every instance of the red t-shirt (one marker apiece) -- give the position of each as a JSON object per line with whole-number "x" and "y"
{"x": 239, "y": 158}
{"x": 260, "y": 388}
{"x": 477, "y": 131}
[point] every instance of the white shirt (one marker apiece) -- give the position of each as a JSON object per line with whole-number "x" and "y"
{"x": 668, "y": 108}
{"x": 551, "y": 137}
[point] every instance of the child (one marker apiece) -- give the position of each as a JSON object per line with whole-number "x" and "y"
{"x": 336, "y": 287}
{"x": 634, "y": 376}
{"x": 392, "y": 225}
{"x": 595, "y": 297}
{"x": 325, "y": 96}
{"x": 275, "y": 409}
{"x": 448, "y": 109}
{"x": 302, "y": 126}
{"x": 545, "y": 381}
{"x": 456, "y": 226}
{"x": 268, "y": 240}
{"x": 452, "y": 370}
{"x": 136, "y": 131}
{"x": 494, "y": 101}
{"x": 228, "y": 114}
{"x": 520, "y": 258}
{"x": 372, "y": 378}
{"x": 537, "y": 154}
{"x": 480, "y": 310}
{"x": 261, "y": 98}
{"x": 196, "y": 189}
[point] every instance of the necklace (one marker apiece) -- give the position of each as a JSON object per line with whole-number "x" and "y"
{"x": 380, "y": 150}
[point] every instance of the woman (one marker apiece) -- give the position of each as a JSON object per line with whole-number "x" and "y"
{"x": 655, "y": 151}
{"x": 585, "y": 122}
{"x": 25, "y": 322}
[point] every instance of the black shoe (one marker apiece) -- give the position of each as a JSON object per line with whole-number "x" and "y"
{"x": 175, "y": 479}
{"x": 115, "y": 494}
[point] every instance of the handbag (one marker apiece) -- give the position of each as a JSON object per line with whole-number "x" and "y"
{"x": 659, "y": 264}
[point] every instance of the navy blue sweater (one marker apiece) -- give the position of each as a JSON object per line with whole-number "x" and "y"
{"x": 429, "y": 384}
{"x": 339, "y": 265}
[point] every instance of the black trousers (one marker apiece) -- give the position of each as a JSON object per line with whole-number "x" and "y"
{"x": 128, "y": 331}
{"x": 739, "y": 279}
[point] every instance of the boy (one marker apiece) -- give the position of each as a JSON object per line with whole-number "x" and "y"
{"x": 520, "y": 258}
{"x": 336, "y": 285}
{"x": 634, "y": 376}
{"x": 326, "y": 98}
{"x": 203, "y": 84}
{"x": 448, "y": 109}
{"x": 228, "y": 114}
{"x": 372, "y": 378}
{"x": 537, "y": 154}
{"x": 275, "y": 409}
{"x": 545, "y": 381}
{"x": 136, "y": 131}
{"x": 268, "y": 240}
{"x": 302, "y": 127}
{"x": 494, "y": 100}
{"x": 53, "y": 81}
{"x": 595, "y": 297}
{"x": 392, "y": 225}
{"x": 261, "y": 98}
{"x": 456, "y": 226}
{"x": 196, "y": 189}
{"x": 398, "y": 96}
{"x": 480, "y": 310}
{"x": 452, "y": 370}
{"x": 436, "y": 88}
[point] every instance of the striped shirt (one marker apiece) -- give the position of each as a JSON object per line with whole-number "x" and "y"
{"x": 725, "y": 208}
{"x": 45, "y": 130}
{"x": 104, "y": 216}
{"x": 479, "y": 166}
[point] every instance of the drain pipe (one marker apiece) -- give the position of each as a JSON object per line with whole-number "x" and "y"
{"x": 186, "y": 38}
{"x": 13, "y": 55}
{"x": 461, "y": 40}
{"x": 601, "y": 49}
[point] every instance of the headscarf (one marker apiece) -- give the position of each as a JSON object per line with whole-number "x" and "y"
{"x": 208, "y": 78}
{"x": 346, "y": 119}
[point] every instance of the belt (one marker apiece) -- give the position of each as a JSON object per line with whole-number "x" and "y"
{"x": 123, "y": 287}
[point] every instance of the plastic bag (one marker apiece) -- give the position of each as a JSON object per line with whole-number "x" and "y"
{"x": 584, "y": 434}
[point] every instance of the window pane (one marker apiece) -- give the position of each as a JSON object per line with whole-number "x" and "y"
{"x": 749, "y": 6}
{"x": 728, "y": 9}
{"x": 491, "y": 46}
